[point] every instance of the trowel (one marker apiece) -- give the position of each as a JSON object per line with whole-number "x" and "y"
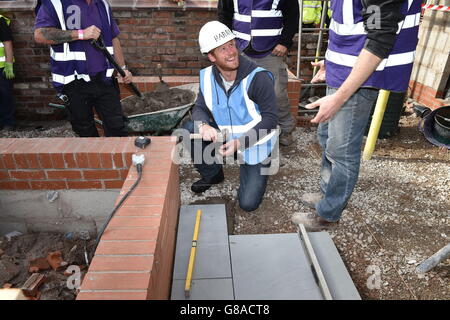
{"x": 161, "y": 86}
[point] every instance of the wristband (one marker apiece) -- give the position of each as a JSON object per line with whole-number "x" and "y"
{"x": 80, "y": 34}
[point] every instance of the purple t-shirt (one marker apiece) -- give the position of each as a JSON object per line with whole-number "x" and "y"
{"x": 96, "y": 61}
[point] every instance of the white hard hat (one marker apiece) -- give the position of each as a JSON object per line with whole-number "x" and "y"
{"x": 212, "y": 35}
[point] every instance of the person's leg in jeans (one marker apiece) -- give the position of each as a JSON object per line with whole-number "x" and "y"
{"x": 277, "y": 67}
{"x": 7, "y": 108}
{"x": 252, "y": 186}
{"x": 341, "y": 139}
{"x": 196, "y": 148}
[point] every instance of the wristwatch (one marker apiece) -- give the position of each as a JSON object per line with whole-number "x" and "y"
{"x": 201, "y": 124}
{"x": 80, "y": 34}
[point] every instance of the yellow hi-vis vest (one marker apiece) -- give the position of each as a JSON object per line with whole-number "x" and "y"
{"x": 311, "y": 12}
{"x": 2, "y": 47}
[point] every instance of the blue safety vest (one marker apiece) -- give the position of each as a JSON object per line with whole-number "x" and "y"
{"x": 236, "y": 113}
{"x": 347, "y": 37}
{"x": 260, "y": 22}
{"x": 68, "y": 60}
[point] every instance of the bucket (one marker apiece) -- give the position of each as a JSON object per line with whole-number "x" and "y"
{"x": 394, "y": 110}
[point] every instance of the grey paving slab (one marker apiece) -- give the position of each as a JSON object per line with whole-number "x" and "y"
{"x": 271, "y": 266}
{"x": 336, "y": 275}
{"x": 204, "y": 289}
{"x": 213, "y": 254}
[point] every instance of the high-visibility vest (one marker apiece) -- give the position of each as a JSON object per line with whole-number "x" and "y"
{"x": 347, "y": 37}
{"x": 2, "y": 46}
{"x": 312, "y": 11}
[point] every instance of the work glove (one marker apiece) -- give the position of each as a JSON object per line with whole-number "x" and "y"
{"x": 9, "y": 71}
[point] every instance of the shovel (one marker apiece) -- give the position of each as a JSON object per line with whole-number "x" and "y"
{"x": 161, "y": 86}
{"x": 99, "y": 44}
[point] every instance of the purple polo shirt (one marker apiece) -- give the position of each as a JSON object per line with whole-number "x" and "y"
{"x": 96, "y": 61}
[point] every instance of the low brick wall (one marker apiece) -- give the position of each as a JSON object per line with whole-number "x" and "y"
{"x": 426, "y": 95}
{"x": 134, "y": 259}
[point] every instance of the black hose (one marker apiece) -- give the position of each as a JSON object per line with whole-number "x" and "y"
{"x": 139, "y": 171}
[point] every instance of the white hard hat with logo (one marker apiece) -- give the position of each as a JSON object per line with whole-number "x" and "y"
{"x": 212, "y": 35}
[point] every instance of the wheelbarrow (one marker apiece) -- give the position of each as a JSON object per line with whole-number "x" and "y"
{"x": 155, "y": 122}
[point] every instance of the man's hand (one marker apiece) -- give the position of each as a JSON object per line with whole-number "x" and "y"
{"x": 328, "y": 106}
{"x": 128, "y": 76}
{"x": 279, "y": 50}
{"x": 9, "y": 71}
{"x": 208, "y": 133}
{"x": 229, "y": 148}
{"x": 91, "y": 32}
{"x": 321, "y": 74}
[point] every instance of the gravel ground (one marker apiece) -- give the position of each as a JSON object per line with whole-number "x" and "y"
{"x": 398, "y": 214}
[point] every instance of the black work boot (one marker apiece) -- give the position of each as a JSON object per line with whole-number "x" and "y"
{"x": 205, "y": 183}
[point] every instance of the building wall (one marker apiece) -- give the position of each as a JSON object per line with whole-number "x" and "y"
{"x": 152, "y": 32}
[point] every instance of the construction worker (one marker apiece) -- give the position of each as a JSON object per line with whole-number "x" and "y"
{"x": 80, "y": 72}
{"x": 235, "y": 96}
{"x": 371, "y": 47}
{"x": 264, "y": 31}
{"x": 7, "y": 108}
{"x": 312, "y": 11}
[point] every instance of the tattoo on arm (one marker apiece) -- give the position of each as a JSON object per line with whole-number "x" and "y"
{"x": 58, "y": 36}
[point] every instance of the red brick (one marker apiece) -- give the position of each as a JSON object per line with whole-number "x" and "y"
{"x": 111, "y": 295}
{"x": 113, "y": 184}
{"x": 82, "y": 160}
{"x": 64, "y": 174}
{"x": 100, "y": 174}
{"x": 84, "y": 185}
{"x": 57, "y": 160}
{"x": 143, "y": 233}
{"x": 15, "y": 185}
{"x": 116, "y": 281}
{"x": 20, "y": 160}
{"x": 125, "y": 247}
{"x": 94, "y": 160}
{"x": 142, "y": 201}
{"x": 141, "y": 211}
{"x": 106, "y": 160}
{"x": 4, "y": 175}
{"x": 8, "y": 161}
{"x": 45, "y": 160}
{"x": 27, "y": 174}
{"x": 121, "y": 221}
{"x": 33, "y": 161}
{"x": 69, "y": 159}
{"x": 124, "y": 263}
{"x": 48, "y": 185}
{"x": 118, "y": 162}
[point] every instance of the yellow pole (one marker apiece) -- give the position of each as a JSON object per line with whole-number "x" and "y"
{"x": 377, "y": 118}
{"x": 187, "y": 286}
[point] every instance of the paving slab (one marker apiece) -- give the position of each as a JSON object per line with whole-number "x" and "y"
{"x": 338, "y": 279}
{"x": 213, "y": 253}
{"x": 271, "y": 267}
{"x": 204, "y": 289}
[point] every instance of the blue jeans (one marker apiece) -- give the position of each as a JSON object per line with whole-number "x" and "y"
{"x": 7, "y": 108}
{"x": 252, "y": 183}
{"x": 340, "y": 139}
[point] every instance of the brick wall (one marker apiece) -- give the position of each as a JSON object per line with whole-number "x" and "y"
{"x": 134, "y": 259}
{"x": 151, "y": 32}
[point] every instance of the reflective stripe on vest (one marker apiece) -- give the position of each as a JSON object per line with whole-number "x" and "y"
{"x": 348, "y": 36}
{"x": 238, "y": 119}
